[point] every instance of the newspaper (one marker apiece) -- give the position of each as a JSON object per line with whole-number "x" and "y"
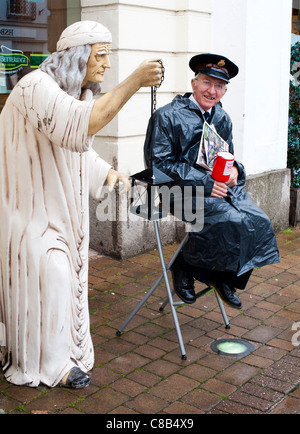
{"x": 211, "y": 143}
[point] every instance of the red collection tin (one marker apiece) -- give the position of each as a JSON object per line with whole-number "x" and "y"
{"x": 223, "y": 166}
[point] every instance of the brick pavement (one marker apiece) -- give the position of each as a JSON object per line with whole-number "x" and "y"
{"x": 141, "y": 372}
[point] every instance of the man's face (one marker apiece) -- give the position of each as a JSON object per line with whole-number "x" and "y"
{"x": 97, "y": 63}
{"x": 208, "y": 91}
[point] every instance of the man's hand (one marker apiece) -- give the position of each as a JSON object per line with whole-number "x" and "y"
{"x": 233, "y": 177}
{"x": 220, "y": 189}
{"x": 115, "y": 177}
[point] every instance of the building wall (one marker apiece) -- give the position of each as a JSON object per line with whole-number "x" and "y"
{"x": 257, "y": 34}
{"x": 141, "y": 30}
{"x": 253, "y": 33}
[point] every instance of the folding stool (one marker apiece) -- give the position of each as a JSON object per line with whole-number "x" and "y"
{"x": 170, "y": 293}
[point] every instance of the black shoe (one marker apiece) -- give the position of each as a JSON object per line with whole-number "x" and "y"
{"x": 227, "y": 294}
{"x": 183, "y": 284}
{"x": 76, "y": 379}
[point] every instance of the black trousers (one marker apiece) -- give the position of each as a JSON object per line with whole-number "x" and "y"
{"x": 213, "y": 276}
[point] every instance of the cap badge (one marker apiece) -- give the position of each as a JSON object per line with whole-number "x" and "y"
{"x": 222, "y": 63}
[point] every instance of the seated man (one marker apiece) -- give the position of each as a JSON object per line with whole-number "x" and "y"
{"x": 237, "y": 236}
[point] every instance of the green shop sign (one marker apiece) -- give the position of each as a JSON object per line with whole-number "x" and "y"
{"x": 37, "y": 59}
{"x": 12, "y": 62}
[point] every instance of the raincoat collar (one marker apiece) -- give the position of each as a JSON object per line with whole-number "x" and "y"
{"x": 184, "y": 101}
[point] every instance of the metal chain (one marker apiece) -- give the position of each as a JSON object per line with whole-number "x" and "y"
{"x": 154, "y": 89}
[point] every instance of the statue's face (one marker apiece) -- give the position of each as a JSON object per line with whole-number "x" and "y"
{"x": 97, "y": 63}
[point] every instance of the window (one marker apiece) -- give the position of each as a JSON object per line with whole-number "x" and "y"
{"x": 296, "y": 17}
{"x": 21, "y": 9}
{"x": 29, "y": 30}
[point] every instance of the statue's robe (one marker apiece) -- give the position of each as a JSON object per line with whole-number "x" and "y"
{"x": 47, "y": 171}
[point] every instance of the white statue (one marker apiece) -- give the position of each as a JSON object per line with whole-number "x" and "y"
{"x": 47, "y": 171}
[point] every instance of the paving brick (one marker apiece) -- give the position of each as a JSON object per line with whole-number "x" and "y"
{"x": 216, "y": 361}
{"x": 273, "y": 383}
{"x": 278, "y": 321}
{"x": 22, "y": 394}
{"x": 264, "y": 290}
{"x": 218, "y": 387}
{"x": 280, "y": 299}
{"x": 144, "y": 378}
{"x": 245, "y": 321}
{"x": 122, "y": 409}
{"x": 163, "y": 368}
{"x": 71, "y": 411}
{"x": 150, "y": 352}
{"x": 237, "y": 374}
{"x": 251, "y": 401}
{"x": 258, "y": 313}
{"x": 260, "y": 362}
{"x": 164, "y": 344}
{"x": 128, "y": 387}
{"x": 52, "y": 401}
{"x": 202, "y": 399}
{"x": 270, "y": 352}
{"x": 182, "y": 408}
{"x": 290, "y": 314}
{"x": 146, "y": 403}
{"x": 291, "y": 291}
{"x": 193, "y": 354}
{"x": 283, "y": 279}
{"x": 127, "y": 363}
{"x": 283, "y": 374}
{"x": 7, "y": 404}
{"x": 280, "y": 343}
{"x": 104, "y": 401}
{"x": 288, "y": 261}
{"x": 262, "y": 392}
{"x": 198, "y": 372}
{"x": 262, "y": 334}
{"x": 289, "y": 405}
{"x": 296, "y": 393}
{"x": 103, "y": 376}
{"x": 232, "y": 407}
{"x": 174, "y": 387}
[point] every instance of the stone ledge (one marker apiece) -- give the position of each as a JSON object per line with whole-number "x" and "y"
{"x": 271, "y": 192}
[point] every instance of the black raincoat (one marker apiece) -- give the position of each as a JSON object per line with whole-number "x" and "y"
{"x": 237, "y": 236}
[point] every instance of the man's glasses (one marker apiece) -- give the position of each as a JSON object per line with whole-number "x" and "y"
{"x": 206, "y": 84}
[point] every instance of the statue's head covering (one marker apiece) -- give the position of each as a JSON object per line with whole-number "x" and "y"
{"x": 83, "y": 33}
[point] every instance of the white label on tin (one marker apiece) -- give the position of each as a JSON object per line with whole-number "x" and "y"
{"x": 228, "y": 168}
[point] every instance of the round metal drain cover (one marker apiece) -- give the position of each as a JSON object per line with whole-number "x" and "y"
{"x": 232, "y": 347}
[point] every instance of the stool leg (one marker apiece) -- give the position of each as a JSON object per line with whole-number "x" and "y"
{"x": 222, "y": 309}
{"x": 139, "y": 306}
{"x": 170, "y": 265}
{"x": 150, "y": 292}
{"x": 165, "y": 273}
